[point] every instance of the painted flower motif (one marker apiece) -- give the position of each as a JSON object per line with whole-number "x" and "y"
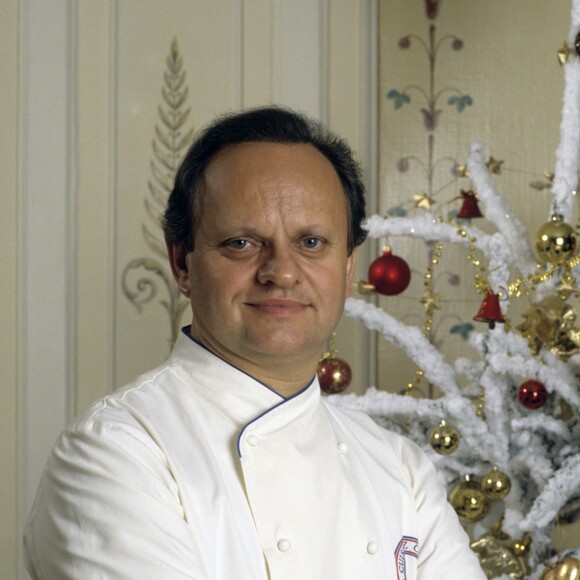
{"x": 403, "y": 164}
{"x": 454, "y": 280}
{"x": 457, "y": 44}
{"x": 404, "y": 42}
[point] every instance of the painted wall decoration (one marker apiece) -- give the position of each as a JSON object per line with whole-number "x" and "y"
{"x": 145, "y": 279}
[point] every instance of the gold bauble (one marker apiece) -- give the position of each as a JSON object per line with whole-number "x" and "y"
{"x": 555, "y": 241}
{"x": 468, "y": 501}
{"x": 444, "y": 439}
{"x": 496, "y": 484}
{"x": 567, "y": 569}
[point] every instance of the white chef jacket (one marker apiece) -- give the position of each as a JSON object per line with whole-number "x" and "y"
{"x": 198, "y": 471}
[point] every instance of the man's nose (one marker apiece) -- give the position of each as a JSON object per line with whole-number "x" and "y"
{"x": 279, "y": 267}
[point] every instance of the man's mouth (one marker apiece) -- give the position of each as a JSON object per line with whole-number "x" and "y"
{"x": 279, "y": 307}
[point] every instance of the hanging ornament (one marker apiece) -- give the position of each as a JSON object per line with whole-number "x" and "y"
{"x": 490, "y": 311}
{"x": 468, "y": 501}
{"x": 551, "y": 322}
{"x": 532, "y": 394}
{"x": 555, "y": 241}
{"x": 498, "y": 556}
{"x": 567, "y": 569}
{"x": 469, "y": 208}
{"x": 334, "y": 374}
{"x": 389, "y": 274}
{"x": 444, "y": 439}
{"x": 496, "y": 484}
{"x": 522, "y": 547}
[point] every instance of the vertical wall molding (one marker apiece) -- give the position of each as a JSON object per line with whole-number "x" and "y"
{"x": 297, "y": 55}
{"x": 46, "y": 226}
{"x": 113, "y": 171}
{"x": 369, "y": 122}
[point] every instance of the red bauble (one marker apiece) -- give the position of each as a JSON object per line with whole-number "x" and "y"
{"x": 334, "y": 375}
{"x": 532, "y": 394}
{"x": 389, "y": 274}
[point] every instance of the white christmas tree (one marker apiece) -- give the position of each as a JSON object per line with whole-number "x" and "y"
{"x": 509, "y": 449}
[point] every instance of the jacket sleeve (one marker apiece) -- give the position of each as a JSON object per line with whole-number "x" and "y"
{"x": 108, "y": 507}
{"x": 444, "y": 550}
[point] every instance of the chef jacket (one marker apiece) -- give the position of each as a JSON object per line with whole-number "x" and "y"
{"x": 198, "y": 471}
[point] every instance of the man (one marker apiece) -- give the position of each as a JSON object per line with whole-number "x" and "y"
{"x": 225, "y": 463}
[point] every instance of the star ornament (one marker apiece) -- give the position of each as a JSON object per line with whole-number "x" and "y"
{"x": 494, "y": 165}
{"x": 567, "y": 286}
{"x": 431, "y": 301}
{"x": 422, "y": 200}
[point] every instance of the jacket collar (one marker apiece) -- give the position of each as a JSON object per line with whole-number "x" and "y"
{"x": 237, "y": 395}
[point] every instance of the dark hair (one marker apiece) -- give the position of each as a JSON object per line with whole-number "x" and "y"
{"x": 270, "y": 125}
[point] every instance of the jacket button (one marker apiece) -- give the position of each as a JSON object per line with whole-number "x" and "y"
{"x": 372, "y": 548}
{"x": 284, "y": 545}
{"x": 252, "y": 440}
{"x": 343, "y": 448}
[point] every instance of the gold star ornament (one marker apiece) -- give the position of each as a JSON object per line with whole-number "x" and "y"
{"x": 422, "y": 200}
{"x": 494, "y": 165}
{"x": 431, "y": 301}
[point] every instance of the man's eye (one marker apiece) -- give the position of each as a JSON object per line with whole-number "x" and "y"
{"x": 238, "y": 244}
{"x": 312, "y": 243}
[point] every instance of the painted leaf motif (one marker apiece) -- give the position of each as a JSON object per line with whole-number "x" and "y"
{"x": 460, "y": 102}
{"x": 397, "y": 211}
{"x": 398, "y": 98}
{"x": 464, "y": 330}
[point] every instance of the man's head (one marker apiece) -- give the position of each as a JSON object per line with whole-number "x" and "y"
{"x": 266, "y": 125}
{"x": 265, "y": 250}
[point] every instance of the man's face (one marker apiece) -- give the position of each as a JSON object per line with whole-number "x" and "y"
{"x": 269, "y": 272}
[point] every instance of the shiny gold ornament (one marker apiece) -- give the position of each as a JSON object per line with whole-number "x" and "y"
{"x": 522, "y": 547}
{"x": 423, "y": 201}
{"x": 444, "y": 439}
{"x": 551, "y": 323}
{"x": 555, "y": 241}
{"x": 364, "y": 287}
{"x": 564, "y": 53}
{"x": 567, "y": 569}
{"x": 495, "y": 551}
{"x": 496, "y": 484}
{"x": 468, "y": 501}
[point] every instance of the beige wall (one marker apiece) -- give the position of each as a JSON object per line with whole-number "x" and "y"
{"x": 81, "y": 86}
{"x": 9, "y": 288}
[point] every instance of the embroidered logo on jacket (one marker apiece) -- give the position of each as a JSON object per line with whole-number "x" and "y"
{"x": 408, "y": 546}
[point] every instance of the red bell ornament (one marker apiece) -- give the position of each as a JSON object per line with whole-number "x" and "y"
{"x": 490, "y": 310}
{"x": 532, "y": 394}
{"x": 469, "y": 208}
{"x": 389, "y": 274}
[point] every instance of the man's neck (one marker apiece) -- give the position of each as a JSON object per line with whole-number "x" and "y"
{"x": 284, "y": 375}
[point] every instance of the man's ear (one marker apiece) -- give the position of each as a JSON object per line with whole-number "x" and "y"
{"x": 350, "y": 268}
{"x": 178, "y": 261}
